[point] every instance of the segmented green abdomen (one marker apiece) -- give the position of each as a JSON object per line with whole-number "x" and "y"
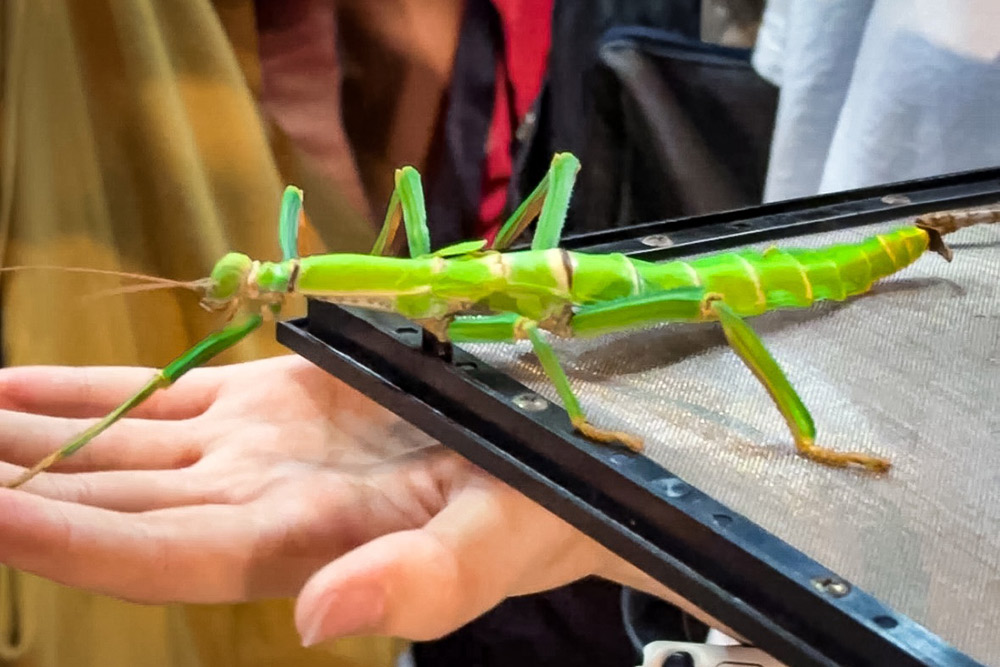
{"x": 753, "y": 282}
{"x": 841, "y": 271}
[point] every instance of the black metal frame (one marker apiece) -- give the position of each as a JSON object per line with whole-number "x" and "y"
{"x": 777, "y": 597}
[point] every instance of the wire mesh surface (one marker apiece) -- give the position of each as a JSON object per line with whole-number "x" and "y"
{"x": 909, "y": 371}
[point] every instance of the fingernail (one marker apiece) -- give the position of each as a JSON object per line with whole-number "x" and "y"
{"x": 351, "y": 611}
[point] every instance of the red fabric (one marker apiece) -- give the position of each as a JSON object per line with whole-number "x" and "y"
{"x": 527, "y": 27}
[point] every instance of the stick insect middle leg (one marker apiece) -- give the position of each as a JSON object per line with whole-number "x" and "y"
{"x": 683, "y": 304}
{"x": 549, "y": 201}
{"x": 508, "y": 328}
{"x": 407, "y": 205}
{"x": 678, "y": 305}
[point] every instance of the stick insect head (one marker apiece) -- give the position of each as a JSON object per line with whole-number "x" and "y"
{"x": 228, "y": 281}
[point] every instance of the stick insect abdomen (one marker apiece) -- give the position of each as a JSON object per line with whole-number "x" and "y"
{"x": 752, "y": 282}
{"x": 838, "y": 272}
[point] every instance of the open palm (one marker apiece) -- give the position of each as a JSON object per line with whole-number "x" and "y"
{"x": 250, "y": 481}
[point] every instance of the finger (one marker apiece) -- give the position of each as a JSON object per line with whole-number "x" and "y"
{"x": 421, "y": 584}
{"x": 192, "y": 554}
{"x": 61, "y": 391}
{"x": 219, "y": 480}
{"x": 131, "y": 444}
{"x": 133, "y": 491}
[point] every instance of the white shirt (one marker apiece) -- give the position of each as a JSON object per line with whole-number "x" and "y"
{"x": 875, "y": 91}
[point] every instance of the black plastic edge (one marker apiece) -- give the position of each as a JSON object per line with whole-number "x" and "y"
{"x": 793, "y": 217}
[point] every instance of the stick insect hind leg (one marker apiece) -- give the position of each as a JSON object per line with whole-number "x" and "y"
{"x": 694, "y": 304}
{"x": 751, "y": 350}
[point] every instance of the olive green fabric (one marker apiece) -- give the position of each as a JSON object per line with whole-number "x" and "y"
{"x": 130, "y": 139}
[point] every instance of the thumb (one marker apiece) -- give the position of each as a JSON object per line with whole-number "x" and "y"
{"x": 487, "y": 544}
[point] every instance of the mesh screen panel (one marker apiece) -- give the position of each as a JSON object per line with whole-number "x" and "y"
{"x": 910, "y": 371}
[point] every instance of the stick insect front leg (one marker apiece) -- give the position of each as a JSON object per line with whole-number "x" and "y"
{"x": 200, "y": 353}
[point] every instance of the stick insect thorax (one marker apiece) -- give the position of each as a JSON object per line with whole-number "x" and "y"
{"x": 534, "y": 284}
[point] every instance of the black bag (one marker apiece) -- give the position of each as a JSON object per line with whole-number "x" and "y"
{"x": 665, "y": 125}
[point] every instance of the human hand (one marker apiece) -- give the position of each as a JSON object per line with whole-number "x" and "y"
{"x": 249, "y": 481}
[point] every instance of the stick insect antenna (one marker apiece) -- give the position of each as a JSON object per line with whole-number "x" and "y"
{"x": 193, "y": 285}
{"x": 102, "y": 272}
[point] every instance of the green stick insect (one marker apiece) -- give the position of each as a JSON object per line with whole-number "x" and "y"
{"x": 549, "y": 289}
